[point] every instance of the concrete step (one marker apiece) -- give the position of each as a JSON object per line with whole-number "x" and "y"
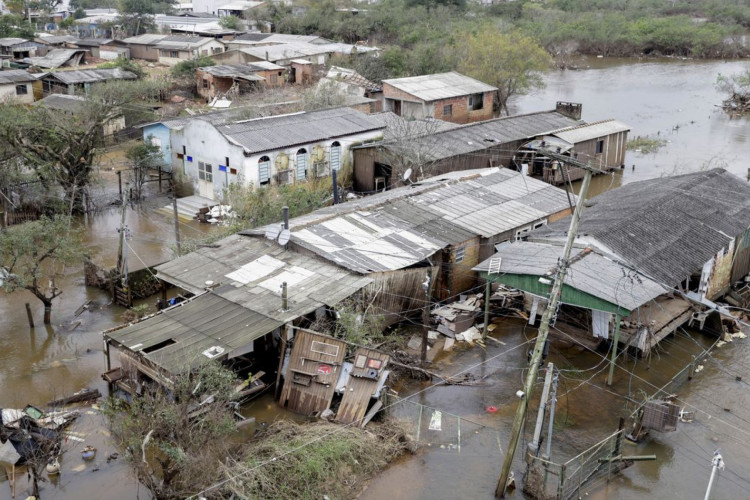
{"x": 188, "y": 208}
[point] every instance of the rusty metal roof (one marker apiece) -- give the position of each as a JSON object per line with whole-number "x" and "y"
{"x": 404, "y": 226}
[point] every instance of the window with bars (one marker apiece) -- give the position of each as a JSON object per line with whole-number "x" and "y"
{"x": 459, "y": 254}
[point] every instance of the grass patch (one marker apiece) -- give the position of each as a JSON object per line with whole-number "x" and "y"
{"x": 646, "y": 145}
{"x": 313, "y": 460}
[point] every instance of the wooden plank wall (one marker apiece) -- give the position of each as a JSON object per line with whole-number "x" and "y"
{"x": 360, "y": 387}
{"x": 314, "y": 367}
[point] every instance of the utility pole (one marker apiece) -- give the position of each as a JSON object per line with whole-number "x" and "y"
{"x": 553, "y": 400}
{"x": 121, "y": 246}
{"x": 549, "y": 312}
{"x": 534, "y": 445}
{"x": 718, "y": 464}
{"x": 176, "y": 220}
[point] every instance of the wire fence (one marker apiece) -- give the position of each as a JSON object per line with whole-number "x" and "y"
{"x": 431, "y": 427}
{"x": 549, "y": 480}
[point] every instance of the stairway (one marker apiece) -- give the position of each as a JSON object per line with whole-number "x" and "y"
{"x": 188, "y": 207}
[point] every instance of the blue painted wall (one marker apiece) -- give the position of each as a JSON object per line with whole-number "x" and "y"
{"x": 161, "y": 133}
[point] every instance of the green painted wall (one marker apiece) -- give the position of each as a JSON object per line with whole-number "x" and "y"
{"x": 570, "y": 295}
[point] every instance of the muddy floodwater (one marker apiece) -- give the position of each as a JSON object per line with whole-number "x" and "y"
{"x": 670, "y": 99}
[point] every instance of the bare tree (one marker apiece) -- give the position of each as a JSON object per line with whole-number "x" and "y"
{"x": 411, "y": 145}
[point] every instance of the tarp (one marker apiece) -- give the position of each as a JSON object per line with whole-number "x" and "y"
{"x": 8, "y": 453}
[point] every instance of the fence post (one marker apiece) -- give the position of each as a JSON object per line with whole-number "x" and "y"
{"x": 459, "y": 434}
{"x": 561, "y": 483}
{"x": 419, "y": 423}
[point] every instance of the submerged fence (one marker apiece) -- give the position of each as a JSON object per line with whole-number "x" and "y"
{"x": 549, "y": 480}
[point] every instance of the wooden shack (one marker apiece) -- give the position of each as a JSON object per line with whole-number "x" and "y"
{"x": 314, "y": 367}
{"x": 364, "y": 378}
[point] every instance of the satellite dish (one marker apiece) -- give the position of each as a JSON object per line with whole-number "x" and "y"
{"x": 273, "y": 232}
{"x": 407, "y": 174}
{"x": 284, "y": 237}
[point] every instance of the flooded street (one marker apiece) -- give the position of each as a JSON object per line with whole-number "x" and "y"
{"x": 670, "y": 99}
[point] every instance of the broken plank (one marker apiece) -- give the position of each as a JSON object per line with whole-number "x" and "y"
{"x": 79, "y": 397}
{"x": 495, "y": 340}
{"x": 370, "y": 414}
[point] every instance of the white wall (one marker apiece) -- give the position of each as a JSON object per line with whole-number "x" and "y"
{"x": 9, "y": 92}
{"x": 204, "y": 143}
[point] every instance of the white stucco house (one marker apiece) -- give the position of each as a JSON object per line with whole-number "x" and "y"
{"x": 215, "y": 150}
{"x": 16, "y": 86}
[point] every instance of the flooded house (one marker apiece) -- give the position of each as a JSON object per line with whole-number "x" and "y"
{"x": 451, "y": 96}
{"x": 439, "y": 228}
{"x": 430, "y": 149}
{"x": 602, "y": 144}
{"x": 243, "y": 294}
{"x": 648, "y": 257}
{"x": 219, "y": 149}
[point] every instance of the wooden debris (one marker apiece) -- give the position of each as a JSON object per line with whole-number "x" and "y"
{"x": 78, "y": 397}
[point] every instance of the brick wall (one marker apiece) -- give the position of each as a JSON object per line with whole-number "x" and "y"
{"x": 460, "y": 112}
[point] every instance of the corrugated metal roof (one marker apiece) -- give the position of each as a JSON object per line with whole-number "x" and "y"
{"x": 92, "y": 75}
{"x": 592, "y": 273}
{"x": 62, "y": 101}
{"x": 146, "y": 39}
{"x": 275, "y": 132}
{"x": 234, "y": 70}
{"x": 166, "y": 19}
{"x": 16, "y": 76}
{"x": 666, "y": 227}
{"x": 249, "y": 272}
{"x": 286, "y": 51}
{"x": 9, "y": 42}
{"x": 404, "y": 226}
{"x": 480, "y": 136}
{"x": 54, "y": 58}
{"x": 439, "y": 86}
{"x": 183, "y": 42}
{"x": 55, "y": 39}
{"x": 191, "y": 328}
{"x": 585, "y": 132}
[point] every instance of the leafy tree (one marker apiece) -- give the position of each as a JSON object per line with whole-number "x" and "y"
{"x": 186, "y": 69}
{"x": 35, "y": 254}
{"x": 61, "y": 148}
{"x": 12, "y": 25}
{"x": 173, "y": 452}
{"x": 142, "y": 157}
{"x": 136, "y": 16}
{"x": 512, "y": 62}
{"x": 231, "y": 23}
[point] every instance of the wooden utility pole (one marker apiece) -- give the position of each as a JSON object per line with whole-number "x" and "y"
{"x": 615, "y": 341}
{"x": 121, "y": 246}
{"x": 549, "y": 312}
{"x": 176, "y": 221}
{"x": 487, "y": 293}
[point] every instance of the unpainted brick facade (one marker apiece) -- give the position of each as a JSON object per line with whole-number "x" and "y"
{"x": 453, "y": 109}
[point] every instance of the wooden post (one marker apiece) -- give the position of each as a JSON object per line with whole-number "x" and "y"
{"x": 282, "y": 350}
{"x": 487, "y": 292}
{"x": 615, "y": 341}
{"x": 159, "y": 167}
{"x": 119, "y": 184}
{"x": 106, "y": 354}
{"x": 176, "y": 221}
{"x": 30, "y": 316}
{"x": 425, "y": 323}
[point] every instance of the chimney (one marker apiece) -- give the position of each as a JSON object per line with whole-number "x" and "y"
{"x": 569, "y": 109}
